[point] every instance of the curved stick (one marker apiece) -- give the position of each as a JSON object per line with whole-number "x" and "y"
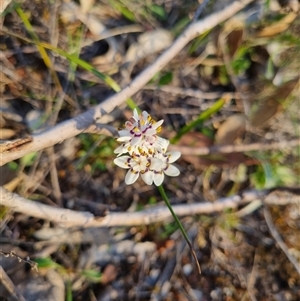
{"x": 71, "y": 218}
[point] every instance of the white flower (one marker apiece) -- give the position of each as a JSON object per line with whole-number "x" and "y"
{"x": 140, "y": 128}
{"x": 137, "y": 165}
{"x": 161, "y": 164}
{"x": 146, "y": 153}
{"x": 146, "y": 146}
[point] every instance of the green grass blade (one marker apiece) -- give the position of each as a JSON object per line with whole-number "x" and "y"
{"x": 44, "y": 55}
{"x": 202, "y": 117}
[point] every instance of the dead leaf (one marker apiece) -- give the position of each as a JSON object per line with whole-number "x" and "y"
{"x": 3, "y": 5}
{"x": 234, "y": 40}
{"x": 269, "y": 107}
{"x": 231, "y": 129}
{"x": 109, "y": 274}
{"x": 278, "y": 27}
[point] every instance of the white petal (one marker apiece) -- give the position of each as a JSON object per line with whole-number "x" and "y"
{"x": 121, "y": 149}
{"x": 122, "y": 161}
{"x": 174, "y": 156}
{"x": 162, "y": 144}
{"x": 124, "y": 133}
{"x": 158, "y": 178}
{"x": 150, "y": 131}
{"x": 124, "y": 138}
{"x": 147, "y": 177}
{"x": 158, "y": 124}
{"x": 135, "y": 140}
{"x": 172, "y": 171}
{"x": 145, "y": 115}
{"x": 157, "y": 164}
{"x": 131, "y": 177}
{"x": 129, "y": 125}
{"x": 135, "y": 114}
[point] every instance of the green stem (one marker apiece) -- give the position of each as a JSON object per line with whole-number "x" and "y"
{"x": 165, "y": 198}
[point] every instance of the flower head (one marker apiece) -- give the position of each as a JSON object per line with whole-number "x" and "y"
{"x": 140, "y": 129}
{"x": 146, "y": 153}
{"x": 148, "y": 146}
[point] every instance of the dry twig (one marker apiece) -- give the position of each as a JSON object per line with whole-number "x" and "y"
{"x": 229, "y": 149}
{"x": 20, "y": 259}
{"x": 71, "y": 218}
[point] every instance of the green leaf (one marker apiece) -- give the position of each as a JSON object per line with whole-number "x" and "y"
{"x": 127, "y": 13}
{"x": 158, "y": 11}
{"x": 92, "y": 275}
{"x": 120, "y": 7}
{"x": 180, "y": 25}
{"x": 223, "y": 76}
{"x": 47, "y": 262}
{"x": 271, "y": 175}
{"x": 241, "y": 61}
{"x": 69, "y": 296}
{"x": 198, "y": 42}
{"x": 169, "y": 229}
{"x": 152, "y": 200}
{"x": 166, "y": 79}
{"x": 13, "y": 165}
{"x": 28, "y": 160}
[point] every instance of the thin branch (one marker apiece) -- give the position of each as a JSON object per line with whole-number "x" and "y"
{"x": 71, "y": 218}
{"x": 191, "y": 92}
{"x": 20, "y": 258}
{"x": 78, "y": 124}
{"x": 228, "y": 149}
